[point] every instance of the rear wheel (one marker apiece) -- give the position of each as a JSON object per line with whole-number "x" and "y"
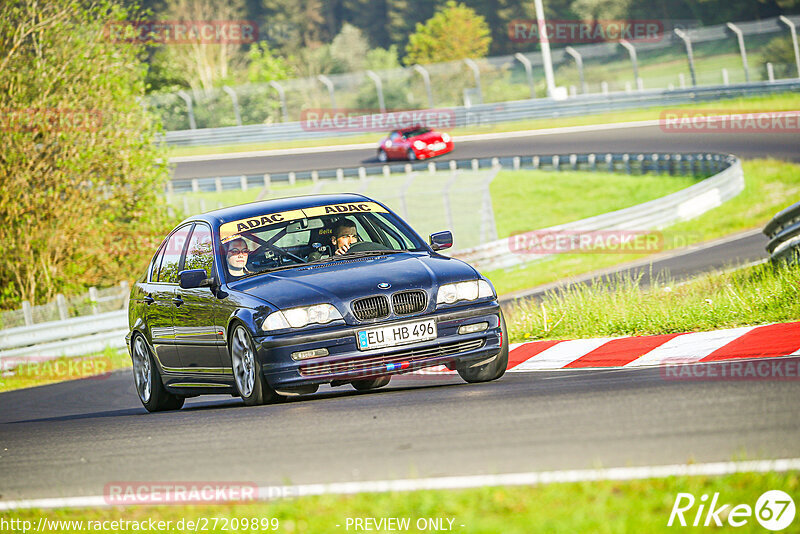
{"x": 371, "y": 383}
{"x": 250, "y": 382}
{"x": 495, "y": 368}
{"x": 149, "y": 387}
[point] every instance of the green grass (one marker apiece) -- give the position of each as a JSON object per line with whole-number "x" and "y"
{"x": 777, "y": 102}
{"x": 39, "y": 373}
{"x": 601, "y": 507}
{"x": 770, "y": 186}
{"x": 619, "y": 306}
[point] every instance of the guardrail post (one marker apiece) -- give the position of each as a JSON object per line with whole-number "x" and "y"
{"x": 556, "y": 163}
{"x": 431, "y": 167}
{"x": 626, "y": 163}
{"x": 740, "y": 37}
{"x": 573, "y": 162}
{"x": 770, "y": 72}
{"x": 231, "y": 93}
{"x": 27, "y": 312}
{"x": 515, "y": 163}
{"x": 632, "y": 53}
{"x": 793, "y": 30}
{"x": 656, "y": 163}
{"x": 725, "y": 79}
{"x": 593, "y": 162}
{"x": 93, "y": 299}
{"x": 329, "y": 84}
{"x": 642, "y": 164}
{"x": 339, "y": 175}
{"x": 604, "y": 87}
{"x": 407, "y": 168}
{"x": 61, "y": 304}
{"x": 267, "y": 181}
{"x": 496, "y": 163}
{"x": 579, "y": 63}
{"x": 218, "y": 185}
{"x": 386, "y": 171}
{"x": 188, "y": 99}
{"x": 474, "y": 164}
{"x": 477, "y": 74}
{"x": 528, "y": 71}
{"x": 125, "y": 289}
{"x": 535, "y": 162}
{"x": 610, "y": 162}
{"x": 195, "y": 185}
{"x": 426, "y": 79}
{"x": 453, "y": 165}
{"x": 379, "y": 88}
{"x": 293, "y": 177}
{"x": 282, "y": 96}
{"x": 362, "y": 173}
{"x": 689, "y": 54}
{"x": 314, "y": 176}
{"x": 243, "y": 182}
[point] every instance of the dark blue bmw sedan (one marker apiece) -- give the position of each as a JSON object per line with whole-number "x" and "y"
{"x": 274, "y": 298}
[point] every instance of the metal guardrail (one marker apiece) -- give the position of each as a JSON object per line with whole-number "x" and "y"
{"x": 485, "y": 114}
{"x": 682, "y": 205}
{"x": 72, "y": 337}
{"x": 784, "y": 234}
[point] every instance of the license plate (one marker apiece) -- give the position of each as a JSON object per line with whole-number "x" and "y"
{"x": 437, "y": 146}
{"x": 397, "y": 334}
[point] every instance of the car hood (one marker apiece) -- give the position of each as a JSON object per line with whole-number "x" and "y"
{"x": 342, "y": 281}
{"x": 430, "y": 137}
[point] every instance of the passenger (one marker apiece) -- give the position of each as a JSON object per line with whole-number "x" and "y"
{"x": 236, "y": 254}
{"x": 342, "y": 238}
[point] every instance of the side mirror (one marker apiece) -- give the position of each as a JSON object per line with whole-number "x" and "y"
{"x": 194, "y": 278}
{"x": 441, "y": 240}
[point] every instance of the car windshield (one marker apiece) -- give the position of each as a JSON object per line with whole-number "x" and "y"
{"x": 416, "y": 132}
{"x": 279, "y": 240}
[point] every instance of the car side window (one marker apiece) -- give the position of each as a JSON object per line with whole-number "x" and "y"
{"x": 156, "y": 265}
{"x": 168, "y": 273}
{"x": 199, "y": 254}
{"x": 394, "y": 136}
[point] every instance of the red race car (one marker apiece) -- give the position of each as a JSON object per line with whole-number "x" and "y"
{"x": 416, "y": 142}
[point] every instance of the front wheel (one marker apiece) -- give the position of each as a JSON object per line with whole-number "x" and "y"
{"x": 250, "y": 382}
{"x": 382, "y": 157}
{"x": 149, "y": 387}
{"x": 495, "y": 368}
{"x": 411, "y": 155}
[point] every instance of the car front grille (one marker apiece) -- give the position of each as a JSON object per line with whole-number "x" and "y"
{"x": 407, "y": 302}
{"x": 371, "y": 308}
{"x": 415, "y": 358}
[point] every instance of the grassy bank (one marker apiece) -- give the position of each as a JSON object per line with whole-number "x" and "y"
{"x": 602, "y": 507}
{"x": 770, "y": 186}
{"x": 778, "y": 102}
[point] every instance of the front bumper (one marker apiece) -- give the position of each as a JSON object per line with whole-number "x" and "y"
{"x": 346, "y": 362}
{"x": 430, "y": 151}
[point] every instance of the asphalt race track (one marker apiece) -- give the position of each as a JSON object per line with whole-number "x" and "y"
{"x": 634, "y": 139}
{"x": 73, "y": 438}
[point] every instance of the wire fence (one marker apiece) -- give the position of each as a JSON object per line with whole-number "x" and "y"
{"x": 717, "y": 58}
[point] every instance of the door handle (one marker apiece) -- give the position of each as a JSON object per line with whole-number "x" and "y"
{"x": 177, "y": 301}
{"x": 148, "y": 299}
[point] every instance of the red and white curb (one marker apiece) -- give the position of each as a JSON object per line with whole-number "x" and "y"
{"x": 768, "y": 341}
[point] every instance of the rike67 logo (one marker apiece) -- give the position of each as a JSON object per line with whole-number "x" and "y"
{"x": 774, "y": 510}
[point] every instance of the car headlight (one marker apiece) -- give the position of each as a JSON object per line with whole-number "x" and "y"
{"x": 300, "y": 317}
{"x": 471, "y": 290}
{"x": 445, "y": 137}
{"x": 419, "y": 145}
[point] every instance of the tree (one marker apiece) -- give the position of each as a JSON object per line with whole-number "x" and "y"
{"x": 264, "y": 66}
{"x": 455, "y": 32}
{"x": 80, "y": 202}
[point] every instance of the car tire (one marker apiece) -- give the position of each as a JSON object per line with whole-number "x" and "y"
{"x": 492, "y": 370}
{"x": 147, "y": 379}
{"x": 371, "y": 383}
{"x": 382, "y": 157}
{"x": 248, "y": 379}
{"x": 411, "y": 155}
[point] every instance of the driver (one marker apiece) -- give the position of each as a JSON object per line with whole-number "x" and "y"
{"x": 342, "y": 238}
{"x": 236, "y": 254}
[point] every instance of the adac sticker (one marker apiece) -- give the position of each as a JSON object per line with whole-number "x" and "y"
{"x": 231, "y": 230}
{"x": 344, "y": 209}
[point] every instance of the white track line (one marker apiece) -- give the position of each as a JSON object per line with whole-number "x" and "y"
{"x": 460, "y": 139}
{"x": 561, "y": 354}
{"x": 689, "y": 348}
{"x": 266, "y": 493}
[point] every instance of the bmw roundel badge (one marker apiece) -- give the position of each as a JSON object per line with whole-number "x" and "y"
{"x": 384, "y": 285}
